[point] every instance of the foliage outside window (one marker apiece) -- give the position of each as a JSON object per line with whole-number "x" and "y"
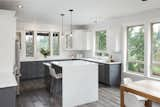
{"x": 135, "y": 51}
{"x": 155, "y": 49}
{"x": 29, "y": 44}
{"x": 55, "y": 43}
{"x": 42, "y": 42}
{"x": 101, "y": 43}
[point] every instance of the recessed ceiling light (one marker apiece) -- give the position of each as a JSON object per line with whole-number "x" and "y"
{"x": 19, "y": 6}
{"x": 144, "y": 0}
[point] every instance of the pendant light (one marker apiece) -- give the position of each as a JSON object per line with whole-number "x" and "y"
{"x": 71, "y": 11}
{"x": 62, "y": 15}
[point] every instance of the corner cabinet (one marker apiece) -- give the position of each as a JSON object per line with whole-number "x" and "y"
{"x": 80, "y": 40}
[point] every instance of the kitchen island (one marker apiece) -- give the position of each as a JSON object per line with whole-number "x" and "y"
{"x": 79, "y": 82}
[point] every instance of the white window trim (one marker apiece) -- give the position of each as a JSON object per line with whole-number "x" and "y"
{"x": 125, "y": 60}
{"x": 23, "y": 54}
{"x": 36, "y": 53}
{"x": 138, "y": 61}
{"x": 147, "y": 49}
{"x": 151, "y": 61}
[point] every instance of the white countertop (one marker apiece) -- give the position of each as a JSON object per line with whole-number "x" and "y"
{"x": 7, "y": 79}
{"x": 67, "y": 58}
{"x": 101, "y": 61}
{"x": 71, "y": 63}
{"x": 43, "y": 59}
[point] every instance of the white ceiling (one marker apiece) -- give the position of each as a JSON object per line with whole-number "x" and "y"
{"x": 86, "y": 11}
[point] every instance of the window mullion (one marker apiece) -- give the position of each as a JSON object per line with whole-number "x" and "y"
{"x": 147, "y": 50}
{"x": 35, "y": 44}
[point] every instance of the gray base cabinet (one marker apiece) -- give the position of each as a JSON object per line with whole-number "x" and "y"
{"x": 8, "y": 97}
{"x": 102, "y": 73}
{"x": 33, "y": 70}
{"x": 110, "y": 74}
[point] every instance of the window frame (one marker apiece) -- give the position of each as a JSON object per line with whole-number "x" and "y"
{"x": 151, "y": 57}
{"x": 100, "y": 51}
{"x": 49, "y": 42}
{"x": 33, "y": 43}
{"x": 136, "y": 61}
{"x": 35, "y": 52}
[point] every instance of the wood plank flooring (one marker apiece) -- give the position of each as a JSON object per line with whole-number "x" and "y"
{"x": 108, "y": 97}
{"x": 38, "y": 96}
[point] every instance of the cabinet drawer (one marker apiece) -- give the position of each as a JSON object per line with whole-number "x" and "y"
{"x": 114, "y": 67}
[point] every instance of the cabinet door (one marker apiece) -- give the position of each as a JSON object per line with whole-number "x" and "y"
{"x": 41, "y": 70}
{"x": 33, "y": 67}
{"x": 8, "y": 97}
{"x": 107, "y": 75}
{"x": 79, "y": 40}
{"x": 102, "y": 73}
{"x": 25, "y": 70}
{"x": 115, "y": 74}
{"x": 89, "y": 41}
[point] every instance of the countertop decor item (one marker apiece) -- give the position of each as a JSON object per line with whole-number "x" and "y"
{"x": 45, "y": 52}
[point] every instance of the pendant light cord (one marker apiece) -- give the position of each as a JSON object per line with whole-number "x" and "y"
{"x": 71, "y": 10}
{"x": 62, "y": 24}
{"x": 71, "y": 22}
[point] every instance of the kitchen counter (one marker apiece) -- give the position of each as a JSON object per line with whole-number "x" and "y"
{"x": 80, "y": 82}
{"x": 71, "y": 63}
{"x": 67, "y": 58}
{"x": 7, "y": 79}
{"x": 44, "y": 59}
{"x": 100, "y": 61}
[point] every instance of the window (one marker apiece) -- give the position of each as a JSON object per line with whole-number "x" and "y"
{"x": 155, "y": 49}
{"x": 101, "y": 43}
{"x": 29, "y": 44}
{"x": 135, "y": 49}
{"x": 55, "y": 43}
{"x": 43, "y": 42}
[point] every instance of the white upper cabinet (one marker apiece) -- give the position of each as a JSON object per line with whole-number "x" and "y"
{"x": 80, "y": 40}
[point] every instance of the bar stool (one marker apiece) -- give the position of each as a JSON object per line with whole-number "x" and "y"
{"x": 56, "y": 82}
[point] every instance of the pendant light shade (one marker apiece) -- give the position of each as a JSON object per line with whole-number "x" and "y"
{"x": 62, "y": 15}
{"x": 71, "y": 11}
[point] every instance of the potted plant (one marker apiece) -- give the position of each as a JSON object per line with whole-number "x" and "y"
{"x": 45, "y": 52}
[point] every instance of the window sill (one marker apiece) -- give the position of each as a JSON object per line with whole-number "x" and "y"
{"x": 143, "y": 76}
{"x": 137, "y": 74}
{"x": 154, "y": 78}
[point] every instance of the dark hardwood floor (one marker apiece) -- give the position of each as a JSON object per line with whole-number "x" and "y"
{"x": 35, "y": 94}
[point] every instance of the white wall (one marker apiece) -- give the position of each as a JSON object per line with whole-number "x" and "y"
{"x": 7, "y": 40}
{"x": 116, "y": 35}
